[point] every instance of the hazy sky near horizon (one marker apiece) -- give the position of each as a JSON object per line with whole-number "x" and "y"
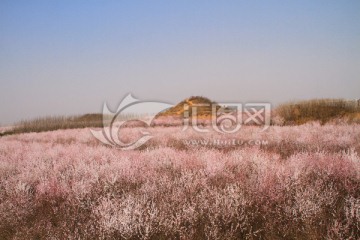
{"x": 69, "y": 57}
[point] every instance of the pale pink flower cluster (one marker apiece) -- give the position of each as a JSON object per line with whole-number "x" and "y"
{"x": 303, "y": 184}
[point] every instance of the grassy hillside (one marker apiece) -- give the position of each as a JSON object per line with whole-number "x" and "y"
{"x": 178, "y": 110}
{"x": 293, "y": 113}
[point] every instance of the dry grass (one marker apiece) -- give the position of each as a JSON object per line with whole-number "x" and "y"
{"x": 55, "y": 123}
{"x": 322, "y": 110}
{"x": 51, "y": 123}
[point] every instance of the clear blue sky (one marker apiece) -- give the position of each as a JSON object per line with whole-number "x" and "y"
{"x": 69, "y": 57}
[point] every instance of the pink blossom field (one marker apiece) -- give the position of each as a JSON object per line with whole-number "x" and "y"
{"x": 293, "y": 182}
